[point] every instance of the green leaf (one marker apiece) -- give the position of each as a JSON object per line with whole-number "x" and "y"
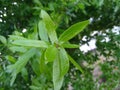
{"x": 50, "y": 53}
{"x": 64, "y": 61}
{"x": 13, "y": 78}
{"x": 35, "y": 88}
{"x": 35, "y": 63}
{"x": 31, "y": 43}
{"x": 35, "y": 66}
{"x": 20, "y": 64}
{"x": 45, "y": 68}
{"x": 3, "y": 39}
{"x": 15, "y": 37}
{"x": 75, "y": 64}
{"x": 67, "y": 45}
{"x": 24, "y": 74}
{"x": 42, "y": 31}
{"x": 18, "y": 49}
{"x": 37, "y": 2}
{"x": 73, "y": 31}
{"x": 50, "y": 26}
{"x": 42, "y": 63}
{"x": 60, "y": 68}
{"x": 10, "y": 58}
{"x": 57, "y": 79}
{"x": 34, "y": 34}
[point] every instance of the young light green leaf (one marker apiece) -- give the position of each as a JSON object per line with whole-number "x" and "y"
{"x": 42, "y": 31}
{"x": 60, "y": 68}
{"x": 57, "y": 79}
{"x": 18, "y": 49}
{"x": 50, "y": 53}
{"x": 44, "y": 68}
{"x": 31, "y": 43}
{"x": 75, "y": 64}
{"x": 73, "y": 31}
{"x": 64, "y": 61}
{"x": 50, "y": 26}
{"x": 13, "y": 78}
{"x": 68, "y": 45}
{"x": 35, "y": 87}
{"x": 15, "y": 37}
{"x": 42, "y": 62}
{"x": 20, "y": 64}
{"x": 22, "y": 60}
{"x": 10, "y": 58}
{"x": 3, "y": 39}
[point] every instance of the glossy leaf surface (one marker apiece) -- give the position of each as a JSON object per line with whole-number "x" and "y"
{"x": 73, "y": 31}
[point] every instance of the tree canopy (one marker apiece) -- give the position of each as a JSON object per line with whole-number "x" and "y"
{"x": 28, "y": 40}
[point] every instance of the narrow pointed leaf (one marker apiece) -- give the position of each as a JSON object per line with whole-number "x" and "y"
{"x": 42, "y": 31}
{"x": 15, "y": 37}
{"x": 42, "y": 63}
{"x": 20, "y": 64}
{"x": 50, "y": 53}
{"x": 22, "y": 60}
{"x": 75, "y": 63}
{"x": 50, "y": 26}
{"x": 31, "y": 43}
{"x": 24, "y": 74}
{"x": 13, "y": 78}
{"x": 60, "y": 68}
{"x": 73, "y": 31}
{"x": 64, "y": 61}
{"x": 35, "y": 66}
{"x": 67, "y": 45}
{"x": 57, "y": 79}
{"x": 18, "y": 49}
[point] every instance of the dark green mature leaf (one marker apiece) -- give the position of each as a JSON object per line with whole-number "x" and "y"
{"x": 50, "y": 53}
{"x": 42, "y": 31}
{"x": 75, "y": 64}
{"x": 20, "y": 64}
{"x": 73, "y": 31}
{"x": 50, "y": 26}
{"x": 31, "y": 43}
